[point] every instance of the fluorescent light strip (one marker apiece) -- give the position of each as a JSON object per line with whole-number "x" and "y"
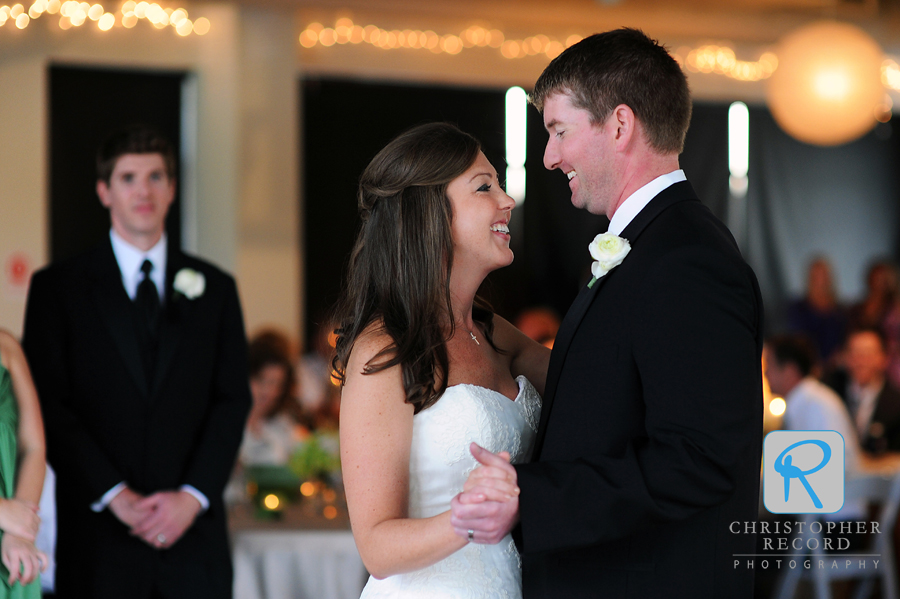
{"x": 516, "y": 122}
{"x": 738, "y": 147}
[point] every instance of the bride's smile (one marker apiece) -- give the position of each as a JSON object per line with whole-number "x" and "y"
{"x": 481, "y": 213}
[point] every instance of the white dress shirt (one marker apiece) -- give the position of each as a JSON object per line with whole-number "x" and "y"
{"x": 130, "y": 259}
{"x": 812, "y": 406}
{"x": 636, "y": 201}
{"x": 863, "y": 401}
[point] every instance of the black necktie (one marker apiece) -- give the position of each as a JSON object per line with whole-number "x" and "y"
{"x": 147, "y": 300}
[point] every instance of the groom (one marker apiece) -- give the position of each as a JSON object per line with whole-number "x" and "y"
{"x": 650, "y": 435}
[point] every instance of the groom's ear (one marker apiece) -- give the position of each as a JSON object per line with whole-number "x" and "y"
{"x": 625, "y": 125}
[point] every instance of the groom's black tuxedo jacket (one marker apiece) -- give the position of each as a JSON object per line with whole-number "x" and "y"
{"x": 651, "y": 430}
{"x": 107, "y": 422}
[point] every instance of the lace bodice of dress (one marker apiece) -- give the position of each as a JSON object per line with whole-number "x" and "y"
{"x": 439, "y": 465}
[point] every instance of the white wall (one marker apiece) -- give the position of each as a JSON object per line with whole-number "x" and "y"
{"x": 268, "y": 257}
{"x": 23, "y": 177}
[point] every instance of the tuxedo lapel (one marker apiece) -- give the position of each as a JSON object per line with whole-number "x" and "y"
{"x": 561, "y": 345}
{"x": 115, "y": 309}
{"x": 887, "y": 408}
{"x": 674, "y": 193}
{"x": 175, "y": 315}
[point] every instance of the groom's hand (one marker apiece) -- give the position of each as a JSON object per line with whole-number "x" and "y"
{"x": 489, "y": 504}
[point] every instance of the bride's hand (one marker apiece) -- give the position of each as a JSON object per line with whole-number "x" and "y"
{"x": 494, "y": 480}
{"x": 476, "y": 517}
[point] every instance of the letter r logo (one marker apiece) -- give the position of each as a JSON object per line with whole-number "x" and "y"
{"x": 803, "y": 472}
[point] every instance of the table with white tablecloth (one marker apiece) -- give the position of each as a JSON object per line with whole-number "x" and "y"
{"x": 295, "y": 560}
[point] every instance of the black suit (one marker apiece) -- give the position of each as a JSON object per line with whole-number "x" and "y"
{"x": 651, "y": 431}
{"x": 107, "y": 422}
{"x": 883, "y": 432}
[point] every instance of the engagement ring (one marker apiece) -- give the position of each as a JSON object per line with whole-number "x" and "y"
{"x": 162, "y": 538}
{"x": 471, "y": 535}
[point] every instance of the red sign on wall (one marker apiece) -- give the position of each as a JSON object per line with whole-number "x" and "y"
{"x": 18, "y": 270}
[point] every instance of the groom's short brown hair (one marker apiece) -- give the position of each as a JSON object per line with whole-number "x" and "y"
{"x": 623, "y": 66}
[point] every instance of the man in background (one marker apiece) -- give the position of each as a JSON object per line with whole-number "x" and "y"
{"x": 873, "y": 402}
{"x": 812, "y": 405}
{"x": 139, "y": 357}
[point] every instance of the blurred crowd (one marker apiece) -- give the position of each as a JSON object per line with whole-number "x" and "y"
{"x": 846, "y": 357}
{"x": 828, "y": 324}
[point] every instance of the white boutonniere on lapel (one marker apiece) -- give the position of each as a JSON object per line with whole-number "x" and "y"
{"x": 189, "y": 283}
{"x": 608, "y": 251}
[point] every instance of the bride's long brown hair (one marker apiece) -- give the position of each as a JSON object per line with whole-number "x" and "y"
{"x": 399, "y": 272}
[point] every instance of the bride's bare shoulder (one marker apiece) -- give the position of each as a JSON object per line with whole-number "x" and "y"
{"x": 372, "y": 343}
{"x": 372, "y": 349}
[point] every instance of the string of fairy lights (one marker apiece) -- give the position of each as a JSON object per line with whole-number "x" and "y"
{"x": 75, "y": 14}
{"x": 709, "y": 58}
{"x": 718, "y": 59}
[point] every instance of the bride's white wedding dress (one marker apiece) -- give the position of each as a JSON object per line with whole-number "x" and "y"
{"x": 439, "y": 464}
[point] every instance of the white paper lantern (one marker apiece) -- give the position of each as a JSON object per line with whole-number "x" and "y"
{"x": 828, "y": 83}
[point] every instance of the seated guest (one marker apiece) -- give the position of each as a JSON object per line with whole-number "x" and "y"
{"x": 880, "y": 309}
{"x": 22, "y": 468}
{"x": 272, "y": 429}
{"x": 881, "y": 296}
{"x": 873, "y": 402}
{"x": 319, "y": 393}
{"x": 817, "y": 314}
{"x": 811, "y": 405}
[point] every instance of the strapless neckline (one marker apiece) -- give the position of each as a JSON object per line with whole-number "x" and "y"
{"x": 520, "y": 380}
{"x": 439, "y": 465}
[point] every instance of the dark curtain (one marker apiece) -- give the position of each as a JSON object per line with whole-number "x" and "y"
{"x": 87, "y": 105}
{"x": 705, "y": 156}
{"x": 556, "y": 234}
{"x": 346, "y": 122}
{"x": 805, "y": 201}
{"x": 802, "y": 200}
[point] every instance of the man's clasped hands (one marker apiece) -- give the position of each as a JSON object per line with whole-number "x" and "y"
{"x": 159, "y": 519}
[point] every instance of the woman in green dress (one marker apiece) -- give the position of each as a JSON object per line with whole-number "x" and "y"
{"x": 22, "y": 468}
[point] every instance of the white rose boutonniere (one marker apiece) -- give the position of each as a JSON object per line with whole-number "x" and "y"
{"x": 189, "y": 283}
{"x": 608, "y": 250}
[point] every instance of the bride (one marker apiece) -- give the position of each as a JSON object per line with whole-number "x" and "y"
{"x": 427, "y": 369}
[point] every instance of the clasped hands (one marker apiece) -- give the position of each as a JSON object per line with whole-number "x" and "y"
{"x": 488, "y": 507}
{"x": 159, "y": 519}
{"x": 19, "y": 522}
